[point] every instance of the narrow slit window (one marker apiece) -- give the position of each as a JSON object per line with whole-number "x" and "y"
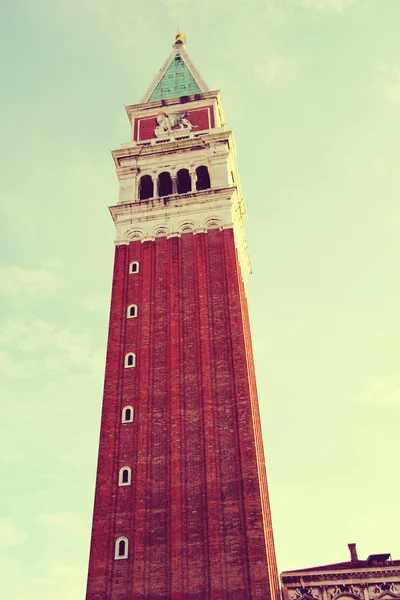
{"x": 132, "y": 311}
{"x": 124, "y": 476}
{"x": 134, "y": 267}
{"x": 127, "y": 414}
{"x": 130, "y": 360}
{"x": 121, "y": 548}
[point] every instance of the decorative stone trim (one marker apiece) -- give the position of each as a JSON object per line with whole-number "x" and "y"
{"x": 125, "y": 417}
{"x": 176, "y": 215}
{"x": 219, "y": 207}
{"x": 118, "y": 554}
{"x": 134, "y": 234}
{"x": 186, "y": 227}
{"x": 121, "y": 482}
{"x": 130, "y": 360}
{"x": 161, "y": 232}
{"x": 213, "y": 223}
{"x": 132, "y": 311}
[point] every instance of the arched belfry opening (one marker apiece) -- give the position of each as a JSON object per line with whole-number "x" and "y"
{"x": 184, "y": 181}
{"x": 164, "y": 184}
{"x": 146, "y": 187}
{"x": 203, "y": 178}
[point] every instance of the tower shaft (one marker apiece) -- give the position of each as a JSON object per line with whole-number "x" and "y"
{"x": 181, "y": 504}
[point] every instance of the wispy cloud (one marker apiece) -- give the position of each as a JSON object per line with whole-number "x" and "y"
{"x": 392, "y": 92}
{"x": 328, "y": 5}
{"x": 62, "y": 580}
{"x": 66, "y": 521}
{"x": 13, "y": 367}
{"x": 22, "y": 281}
{"x": 275, "y": 70}
{"x": 10, "y": 569}
{"x": 389, "y": 84}
{"x": 10, "y": 535}
{"x": 11, "y": 455}
{"x": 381, "y": 392}
{"x": 95, "y": 303}
{"x": 269, "y": 10}
{"x": 49, "y": 345}
{"x": 114, "y": 19}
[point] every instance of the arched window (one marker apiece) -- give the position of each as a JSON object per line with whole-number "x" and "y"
{"x": 124, "y": 476}
{"x": 121, "y": 548}
{"x": 127, "y": 414}
{"x": 132, "y": 311}
{"x": 203, "y": 178}
{"x": 130, "y": 360}
{"x": 184, "y": 181}
{"x": 164, "y": 184}
{"x": 146, "y": 187}
{"x": 134, "y": 267}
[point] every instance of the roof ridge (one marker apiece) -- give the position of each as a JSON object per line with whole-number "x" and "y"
{"x": 159, "y": 76}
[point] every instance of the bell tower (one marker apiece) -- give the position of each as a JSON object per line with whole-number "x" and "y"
{"x": 181, "y": 504}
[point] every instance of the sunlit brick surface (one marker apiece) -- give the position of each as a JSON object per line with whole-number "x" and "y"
{"x": 197, "y": 513}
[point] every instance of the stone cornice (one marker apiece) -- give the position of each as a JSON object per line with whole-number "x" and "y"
{"x": 141, "y": 109}
{"x": 154, "y": 148}
{"x": 289, "y": 578}
{"x": 152, "y": 208}
{"x": 178, "y": 214}
{"x": 310, "y": 573}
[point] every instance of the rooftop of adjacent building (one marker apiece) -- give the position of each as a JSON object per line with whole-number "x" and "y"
{"x": 373, "y": 560}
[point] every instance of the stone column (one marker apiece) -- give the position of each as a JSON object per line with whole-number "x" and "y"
{"x": 174, "y": 183}
{"x": 194, "y": 180}
{"x": 136, "y": 189}
{"x": 155, "y": 186}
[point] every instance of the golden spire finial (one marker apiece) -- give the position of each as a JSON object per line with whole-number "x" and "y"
{"x": 180, "y": 37}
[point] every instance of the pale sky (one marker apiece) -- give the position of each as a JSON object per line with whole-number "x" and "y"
{"x": 311, "y": 89}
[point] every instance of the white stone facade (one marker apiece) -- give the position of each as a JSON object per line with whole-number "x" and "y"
{"x": 219, "y": 206}
{"x": 377, "y": 578}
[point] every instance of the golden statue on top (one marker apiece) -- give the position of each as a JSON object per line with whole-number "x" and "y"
{"x": 180, "y": 37}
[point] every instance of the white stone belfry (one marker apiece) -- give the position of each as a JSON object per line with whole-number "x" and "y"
{"x": 173, "y": 138}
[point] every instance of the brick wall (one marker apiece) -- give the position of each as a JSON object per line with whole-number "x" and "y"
{"x": 197, "y": 512}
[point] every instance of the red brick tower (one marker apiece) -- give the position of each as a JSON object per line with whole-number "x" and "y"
{"x": 181, "y": 507}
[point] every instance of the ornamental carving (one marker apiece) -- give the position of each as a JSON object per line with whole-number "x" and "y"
{"x": 393, "y": 589}
{"x": 384, "y": 591}
{"x": 347, "y": 590}
{"x": 306, "y": 593}
{"x": 161, "y": 231}
{"x": 213, "y": 224}
{"x": 338, "y": 590}
{"x": 355, "y": 590}
{"x": 134, "y": 234}
{"x": 376, "y": 591}
{"x": 186, "y": 228}
{"x": 166, "y": 123}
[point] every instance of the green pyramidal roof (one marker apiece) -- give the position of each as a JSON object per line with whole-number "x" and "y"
{"x": 177, "y": 77}
{"x": 176, "y": 81}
